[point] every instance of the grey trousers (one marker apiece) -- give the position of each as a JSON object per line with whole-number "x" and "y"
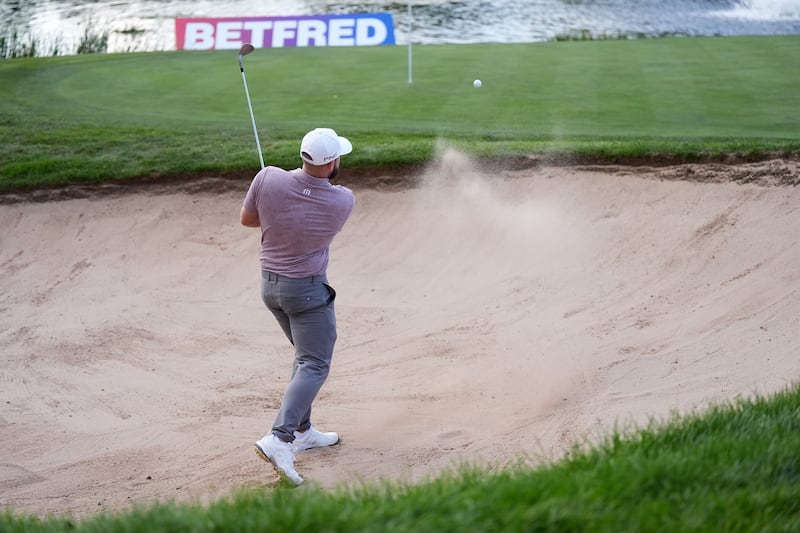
{"x": 304, "y": 310}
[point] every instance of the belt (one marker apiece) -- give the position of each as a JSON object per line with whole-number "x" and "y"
{"x": 272, "y": 276}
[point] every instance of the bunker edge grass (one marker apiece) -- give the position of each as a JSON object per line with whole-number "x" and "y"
{"x": 733, "y": 467}
{"x": 83, "y": 119}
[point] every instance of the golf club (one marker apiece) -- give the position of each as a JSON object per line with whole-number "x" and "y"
{"x": 243, "y": 51}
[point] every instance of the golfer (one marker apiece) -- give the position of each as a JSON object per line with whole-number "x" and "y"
{"x": 299, "y": 213}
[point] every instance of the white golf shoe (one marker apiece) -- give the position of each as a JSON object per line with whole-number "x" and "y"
{"x": 313, "y": 438}
{"x": 279, "y": 453}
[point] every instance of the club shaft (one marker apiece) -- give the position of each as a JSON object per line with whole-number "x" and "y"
{"x": 252, "y": 117}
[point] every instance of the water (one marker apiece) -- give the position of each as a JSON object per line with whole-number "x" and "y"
{"x": 148, "y": 25}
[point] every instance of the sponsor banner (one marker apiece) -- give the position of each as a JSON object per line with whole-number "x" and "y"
{"x": 360, "y": 29}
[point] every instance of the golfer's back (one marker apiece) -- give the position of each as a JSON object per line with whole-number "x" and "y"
{"x": 299, "y": 215}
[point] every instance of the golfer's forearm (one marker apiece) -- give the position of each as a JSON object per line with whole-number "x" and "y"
{"x": 249, "y": 219}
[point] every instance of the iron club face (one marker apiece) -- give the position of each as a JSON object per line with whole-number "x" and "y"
{"x": 243, "y": 51}
{"x": 246, "y": 49}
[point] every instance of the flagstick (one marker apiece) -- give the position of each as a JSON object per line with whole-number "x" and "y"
{"x": 410, "y": 24}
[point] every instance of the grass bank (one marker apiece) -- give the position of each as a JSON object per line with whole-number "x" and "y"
{"x": 108, "y": 117}
{"x": 734, "y": 467}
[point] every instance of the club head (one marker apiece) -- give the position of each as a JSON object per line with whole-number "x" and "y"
{"x": 246, "y": 49}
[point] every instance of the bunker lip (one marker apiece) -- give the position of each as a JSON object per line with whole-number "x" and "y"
{"x": 772, "y": 168}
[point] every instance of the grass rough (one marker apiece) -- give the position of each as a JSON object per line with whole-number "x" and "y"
{"x": 734, "y": 467}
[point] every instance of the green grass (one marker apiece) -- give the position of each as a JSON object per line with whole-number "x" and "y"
{"x": 106, "y": 117}
{"x": 735, "y": 467}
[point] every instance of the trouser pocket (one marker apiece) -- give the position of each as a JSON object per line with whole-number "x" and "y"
{"x": 332, "y": 292}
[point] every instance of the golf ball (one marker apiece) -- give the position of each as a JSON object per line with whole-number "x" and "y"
{"x": 476, "y": 83}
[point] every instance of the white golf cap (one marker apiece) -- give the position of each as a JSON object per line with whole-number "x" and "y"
{"x": 321, "y": 146}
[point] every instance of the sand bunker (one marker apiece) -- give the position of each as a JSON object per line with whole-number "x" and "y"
{"x": 484, "y": 317}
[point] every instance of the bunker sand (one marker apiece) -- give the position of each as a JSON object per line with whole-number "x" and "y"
{"x": 484, "y": 318}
